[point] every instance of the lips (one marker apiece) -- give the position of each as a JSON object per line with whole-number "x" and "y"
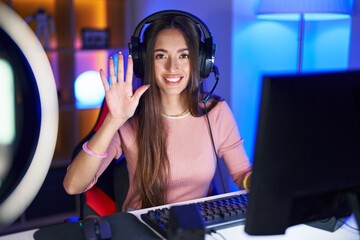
{"x": 173, "y": 80}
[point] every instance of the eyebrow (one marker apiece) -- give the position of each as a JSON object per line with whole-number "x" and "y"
{"x": 165, "y": 51}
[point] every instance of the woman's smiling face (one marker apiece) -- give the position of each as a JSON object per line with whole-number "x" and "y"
{"x": 171, "y": 62}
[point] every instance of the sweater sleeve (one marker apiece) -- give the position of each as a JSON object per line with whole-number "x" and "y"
{"x": 230, "y": 144}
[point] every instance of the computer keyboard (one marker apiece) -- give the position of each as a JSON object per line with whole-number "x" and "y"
{"x": 216, "y": 213}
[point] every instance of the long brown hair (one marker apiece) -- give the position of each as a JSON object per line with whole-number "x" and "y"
{"x": 152, "y": 172}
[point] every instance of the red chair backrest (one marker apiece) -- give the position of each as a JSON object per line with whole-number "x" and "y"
{"x": 96, "y": 198}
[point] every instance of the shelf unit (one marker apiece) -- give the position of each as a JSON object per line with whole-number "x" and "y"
{"x": 68, "y": 59}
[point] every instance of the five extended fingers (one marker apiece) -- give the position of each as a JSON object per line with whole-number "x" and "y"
{"x": 119, "y": 75}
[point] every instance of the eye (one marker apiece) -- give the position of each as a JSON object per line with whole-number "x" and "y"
{"x": 184, "y": 55}
{"x": 159, "y": 56}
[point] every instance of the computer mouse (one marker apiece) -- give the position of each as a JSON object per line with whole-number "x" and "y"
{"x": 96, "y": 228}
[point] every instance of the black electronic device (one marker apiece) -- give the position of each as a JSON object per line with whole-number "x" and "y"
{"x": 215, "y": 213}
{"x": 307, "y": 155}
{"x": 124, "y": 225}
{"x": 185, "y": 222}
{"x": 96, "y": 228}
{"x": 206, "y": 49}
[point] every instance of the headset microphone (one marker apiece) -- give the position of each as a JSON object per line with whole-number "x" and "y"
{"x": 215, "y": 70}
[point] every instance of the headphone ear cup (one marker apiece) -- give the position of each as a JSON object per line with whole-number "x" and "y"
{"x": 136, "y": 54}
{"x": 202, "y": 60}
{"x": 206, "y": 56}
{"x": 142, "y": 60}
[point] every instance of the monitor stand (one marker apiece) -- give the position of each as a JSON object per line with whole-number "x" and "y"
{"x": 354, "y": 201}
{"x": 331, "y": 224}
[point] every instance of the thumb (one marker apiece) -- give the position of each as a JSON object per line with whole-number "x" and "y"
{"x": 140, "y": 91}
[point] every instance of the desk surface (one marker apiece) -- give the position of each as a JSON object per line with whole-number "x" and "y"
{"x": 298, "y": 232}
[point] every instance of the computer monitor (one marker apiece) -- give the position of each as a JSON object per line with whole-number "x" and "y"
{"x": 306, "y": 164}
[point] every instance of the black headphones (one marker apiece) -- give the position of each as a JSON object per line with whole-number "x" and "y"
{"x": 206, "y": 49}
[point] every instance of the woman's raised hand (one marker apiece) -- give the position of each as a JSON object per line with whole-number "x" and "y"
{"x": 119, "y": 95}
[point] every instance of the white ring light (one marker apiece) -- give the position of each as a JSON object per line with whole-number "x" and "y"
{"x": 21, "y": 197}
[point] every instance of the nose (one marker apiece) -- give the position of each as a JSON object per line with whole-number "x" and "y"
{"x": 172, "y": 64}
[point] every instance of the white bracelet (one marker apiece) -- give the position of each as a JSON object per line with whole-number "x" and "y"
{"x": 91, "y": 153}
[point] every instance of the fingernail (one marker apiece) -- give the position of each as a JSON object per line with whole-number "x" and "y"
{"x": 120, "y": 52}
{"x": 130, "y": 56}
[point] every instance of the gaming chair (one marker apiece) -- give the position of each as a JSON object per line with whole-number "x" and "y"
{"x": 108, "y": 194}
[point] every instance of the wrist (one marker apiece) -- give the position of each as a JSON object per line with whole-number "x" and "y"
{"x": 247, "y": 180}
{"x": 92, "y": 153}
{"x": 113, "y": 123}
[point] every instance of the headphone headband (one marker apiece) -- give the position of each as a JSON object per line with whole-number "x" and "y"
{"x": 149, "y": 19}
{"x": 206, "y": 48}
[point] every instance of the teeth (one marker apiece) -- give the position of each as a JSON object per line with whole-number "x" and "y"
{"x": 173, "y": 79}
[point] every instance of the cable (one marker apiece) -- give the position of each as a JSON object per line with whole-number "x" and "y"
{"x": 222, "y": 236}
{"x": 348, "y": 225}
{"x": 215, "y": 70}
{"x": 210, "y": 234}
{"x": 213, "y": 145}
{"x": 212, "y": 231}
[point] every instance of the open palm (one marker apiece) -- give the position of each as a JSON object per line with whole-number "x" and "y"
{"x": 119, "y": 95}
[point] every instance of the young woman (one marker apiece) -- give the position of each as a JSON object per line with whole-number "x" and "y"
{"x": 163, "y": 127}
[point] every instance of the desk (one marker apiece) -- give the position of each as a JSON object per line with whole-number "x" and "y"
{"x": 298, "y": 232}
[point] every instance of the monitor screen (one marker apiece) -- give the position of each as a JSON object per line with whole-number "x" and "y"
{"x": 306, "y": 164}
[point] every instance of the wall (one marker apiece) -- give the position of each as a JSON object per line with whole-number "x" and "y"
{"x": 270, "y": 47}
{"x": 354, "y": 54}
